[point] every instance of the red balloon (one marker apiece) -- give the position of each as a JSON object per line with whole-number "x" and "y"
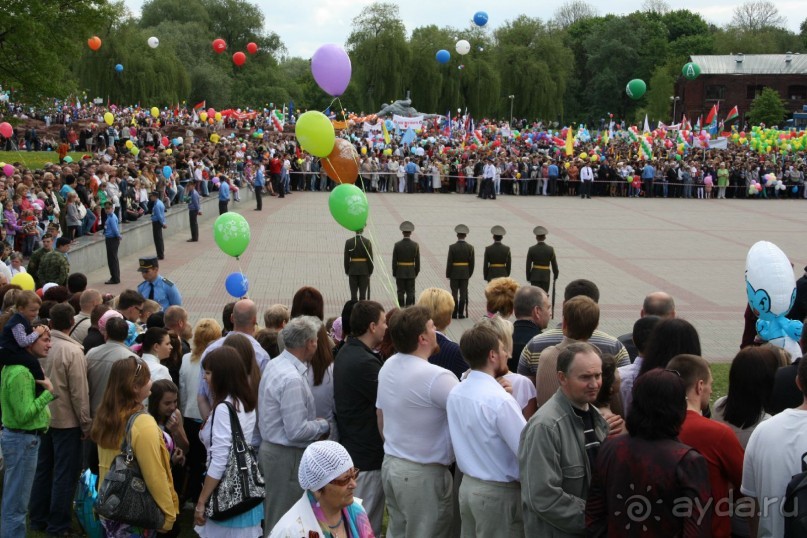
{"x": 252, "y": 48}
{"x": 342, "y": 165}
{"x": 94, "y": 42}
{"x": 165, "y": 141}
{"x": 219, "y": 45}
{"x": 6, "y": 130}
{"x": 239, "y": 58}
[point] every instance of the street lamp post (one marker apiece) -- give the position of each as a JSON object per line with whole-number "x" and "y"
{"x": 511, "y": 97}
{"x": 674, "y": 100}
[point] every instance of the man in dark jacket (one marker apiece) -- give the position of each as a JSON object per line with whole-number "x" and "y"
{"x": 539, "y": 259}
{"x": 459, "y": 269}
{"x": 497, "y": 261}
{"x": 406, "y": 265}
{"x": 359, "y": 266}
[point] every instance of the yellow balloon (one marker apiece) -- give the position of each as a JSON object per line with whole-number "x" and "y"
{"x": 155, "y": 112}
{"x": 218, "y": 116}
{"x": 584, "y": 156}
{"x": 23, "y": 280}
{"x": 169, "y": 151}
{"x": 215, "y": 138}
{"x": 134, "y": 151}
{"x": 363, "y": 150}
{"x": 566, "y": 165}
{"x": 314, "y": 132}
{"x": 109, "y": 118}
{"x": 129, "y": 144}
{"x": 203, "y": 116}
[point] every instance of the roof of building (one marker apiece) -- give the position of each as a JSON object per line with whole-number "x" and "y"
{"x": 752, "y": 64}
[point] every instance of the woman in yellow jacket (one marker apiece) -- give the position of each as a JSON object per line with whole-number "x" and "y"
{"x": 129, "y": 385}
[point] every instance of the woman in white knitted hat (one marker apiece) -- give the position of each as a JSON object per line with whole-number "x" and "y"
{"x": 327, "y": 508}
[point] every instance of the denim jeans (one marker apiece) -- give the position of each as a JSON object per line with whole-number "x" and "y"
{"x": 87, "y": 222}
{"x": 20, "y": 453}
{"x": 204, "y": 191}
{"x": 57, "y": 472}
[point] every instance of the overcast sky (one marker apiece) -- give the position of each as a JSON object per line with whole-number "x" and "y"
{"x": 304, "y": 25}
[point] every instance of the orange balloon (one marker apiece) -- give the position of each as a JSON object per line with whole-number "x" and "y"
{"x": 342, "y": 165}
{"x": 94, "y": 42}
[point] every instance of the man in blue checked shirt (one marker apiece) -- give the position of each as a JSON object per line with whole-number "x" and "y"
{"x": 158, "y": 223}
{"x": 112, "y": 237}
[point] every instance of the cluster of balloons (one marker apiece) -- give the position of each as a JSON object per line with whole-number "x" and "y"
{"x": 6, "y": 130}
{"x": 765, "y": 140}
{"x": 462, "y": 46}
{"x": 239, "y": 58}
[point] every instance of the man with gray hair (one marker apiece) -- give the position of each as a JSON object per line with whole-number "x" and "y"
{"x": 287, "y": 421}
{"x": 532, "y": 309}
{"x": 88, "y": 300}
{"x": 244, "y": 319}
{"x": 657, "y": 303}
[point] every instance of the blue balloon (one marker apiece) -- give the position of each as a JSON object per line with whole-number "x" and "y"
{"x": 795, "y": 190}
{"x": 237, "y": 285}
{"x": 119, "y": 68}
{"x": 443, "y": 56}
{"x": 389, "y": 124}
{"x": 167, "y": 171}
{"x": 480, "y": 18}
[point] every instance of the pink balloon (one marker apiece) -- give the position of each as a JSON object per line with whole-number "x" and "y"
{"x": 39, "y": 203}
{"x": 331, "y": 68}
{"x": 6, "y": 129}
{"x": 8, "y": 170}
{"x": 211, "y": 112}
{"x": 215, "y": 180}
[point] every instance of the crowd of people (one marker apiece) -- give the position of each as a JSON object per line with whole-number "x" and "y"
{"x": 520, "y": 428}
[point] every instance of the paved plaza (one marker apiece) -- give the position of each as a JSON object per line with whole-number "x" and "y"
{"x": 693, "y": 249}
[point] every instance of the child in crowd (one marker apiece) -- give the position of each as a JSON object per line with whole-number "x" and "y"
{"x": 18, "y": 333}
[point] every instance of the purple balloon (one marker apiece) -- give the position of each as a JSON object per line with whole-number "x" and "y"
{"x": 8, "y": 170}
{"x": 331, "y": 68}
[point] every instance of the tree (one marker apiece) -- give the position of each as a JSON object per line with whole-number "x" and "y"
{"x": 380, "y": 56}
{"x": 767, "y": 108}
{"x": 426, "y": 76}
{"x": 39, "y": 40}
{"x": 803, "y": 34}
{"x": 659, "y": 90}
{"x": 755, "y": 15}
{"x": 573, "y": 11}
{"x": 656, "y": 6}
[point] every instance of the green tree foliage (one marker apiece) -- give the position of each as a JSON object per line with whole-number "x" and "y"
{"x": 768, "y": 108}
{"x": 40, "y": 38}
{"x": 380, "y": 56}
{"x": 659, "y": 90}
{"x": 426, "y": 76}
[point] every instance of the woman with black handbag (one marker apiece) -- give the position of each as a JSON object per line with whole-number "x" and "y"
{"x": 231, "y": 502}
{"x": 131, "y": 450}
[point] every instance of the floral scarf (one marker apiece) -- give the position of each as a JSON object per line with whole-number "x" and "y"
{"x": 356, "y": 520}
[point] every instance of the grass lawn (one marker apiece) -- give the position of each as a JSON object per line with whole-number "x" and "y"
{"x": 35, "y": 159}
{"x": 720, "y": 373}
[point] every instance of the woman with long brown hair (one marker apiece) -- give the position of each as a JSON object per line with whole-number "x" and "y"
{"x": 129, "y": 385}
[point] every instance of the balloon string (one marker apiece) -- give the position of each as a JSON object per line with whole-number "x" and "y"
{"x": 386, "y": 280}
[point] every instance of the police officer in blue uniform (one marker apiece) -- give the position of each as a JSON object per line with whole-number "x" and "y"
{"x": 155, "y": 286}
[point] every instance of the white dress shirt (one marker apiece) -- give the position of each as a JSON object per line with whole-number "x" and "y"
{"x": 485, "y": 424}
{"x": 627, "y": 375}
{"x": 412, "y": 395}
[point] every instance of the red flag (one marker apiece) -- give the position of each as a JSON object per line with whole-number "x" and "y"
{"x": 201, "y": 105}
{"x": 711, "y": 116}
{"x": 733, "y": 114}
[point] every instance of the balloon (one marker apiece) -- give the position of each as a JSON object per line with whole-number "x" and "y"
{"x": 68, "y": 159}
{"x": 691, "y": 71}
{"x": 314, "y": 132}
{"x": 8, "y": 170}
{"x": 443, "y": 56}
{"x": 23, "y": 280}
{"x": 211, "y": 112}
{"x": 203, "y": 116}
{"x": 480, "y": 18}
{"x": 134, "y": 151}
{"x": 231, "y": 233}
{"x": 236, "y": 285}
{"x": 583, "y": 156}
{"x": 119, "y": 68}
{"x": 169, "y": 151}
{"x": 39, "y": 203}
{"x": 462, "y": 47}
{"x": 795, "y": 190}
{"x": 349, "y": 207}
{"x": 331, "y": 68}
{"x": 164, "y": 141}
{"x": 218, "y": 116}
{"x": 219, "y": 45}
{"x": 129, "y": 144}
{"x": 239, "y": 58}
{"x": 252, "y": 48}
{"x": 387, "y": 151}
{"x": 109, "y": 118}
{"x": 167, "y": 171}
{"x": 215, "y": 138}
{"x": 153, "y": 42}
{"x": 636, "y": 88}
{"x": 6, "y": 130}
{"x": 155, "y": 112}
{"x": 342, "y": 165}
{"x": 94, "y": 42}
{"x": 363, "y": 150}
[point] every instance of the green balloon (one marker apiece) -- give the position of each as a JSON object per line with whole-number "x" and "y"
{"x": 636, "y": 88}
{"x": 691, "y": 71}
{"x": 677, "y": 157}
{"x": 349, "y": 207}
{"x": 315, "y": 134}
{"x": 231, "y": 233}
{"x": 68, "y": 159}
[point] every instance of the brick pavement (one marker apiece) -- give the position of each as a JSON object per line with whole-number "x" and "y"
{"x": 693, "y": 249}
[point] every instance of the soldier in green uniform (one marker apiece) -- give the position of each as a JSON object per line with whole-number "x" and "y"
{"x": 54, "y": 266}
{"x": 406, "y": 265}
{"x": 459, "y": 269}
{"x": 539, "y": 258}
{"x": 359, "y": 266}
{"x": 497, "y": 256}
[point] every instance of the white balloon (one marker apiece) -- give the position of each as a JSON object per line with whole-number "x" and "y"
{"x": 463, "y": 47}
{"x": 154, "y": 42}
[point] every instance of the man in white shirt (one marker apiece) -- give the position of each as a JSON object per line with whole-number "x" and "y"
{"x": 773, "y": 455}
{"x": 586, "y": 180}
{"x": 287, "y": 421}
{"x": 485, "y": 425}
{"x": 411, "y": 403}
{"x": 488, "y": 173}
